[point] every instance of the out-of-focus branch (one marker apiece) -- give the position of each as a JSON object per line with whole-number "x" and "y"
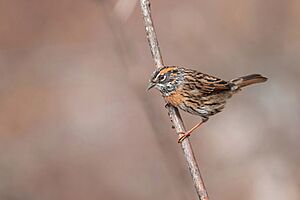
{"x": 173, "y": 112}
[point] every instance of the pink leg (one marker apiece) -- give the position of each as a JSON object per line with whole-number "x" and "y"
{"x": 187, "y": 134}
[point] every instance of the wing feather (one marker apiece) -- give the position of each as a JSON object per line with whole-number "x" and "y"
{"x": 205, "y": 84}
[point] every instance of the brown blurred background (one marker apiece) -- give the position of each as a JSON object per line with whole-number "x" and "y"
{"x": 77, "y": 123}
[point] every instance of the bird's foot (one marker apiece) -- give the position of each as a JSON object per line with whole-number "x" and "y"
{"x": 182, "y": 136}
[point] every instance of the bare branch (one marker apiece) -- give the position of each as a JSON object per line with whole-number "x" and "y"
{"x": 173, "y": 112}
{"x": 151, "y": 35}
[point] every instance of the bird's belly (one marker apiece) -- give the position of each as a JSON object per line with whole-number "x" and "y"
{"x": 178, "y": 100}
{"x": 202, "y": 106}
{"x": 202, "y": 111}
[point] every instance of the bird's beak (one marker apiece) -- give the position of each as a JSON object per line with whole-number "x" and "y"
{"x": 151, "y": 85}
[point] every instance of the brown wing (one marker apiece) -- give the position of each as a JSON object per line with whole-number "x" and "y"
{"x": 205, "y": 84}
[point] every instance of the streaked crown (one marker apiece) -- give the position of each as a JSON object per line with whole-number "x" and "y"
{"x": 166, "y": 79}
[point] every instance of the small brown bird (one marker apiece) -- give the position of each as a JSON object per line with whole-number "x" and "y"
{"x": 197, "y": 93}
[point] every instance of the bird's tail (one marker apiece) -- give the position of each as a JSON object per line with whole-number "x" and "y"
{"x": 248, "y": 80}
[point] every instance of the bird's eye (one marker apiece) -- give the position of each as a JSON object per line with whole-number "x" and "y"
{"x": 162, "y": 78}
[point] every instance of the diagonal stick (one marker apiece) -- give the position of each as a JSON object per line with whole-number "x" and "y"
{"x": 173, "y": 112}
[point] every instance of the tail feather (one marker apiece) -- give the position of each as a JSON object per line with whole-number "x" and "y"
{"x": 248, "y": 80}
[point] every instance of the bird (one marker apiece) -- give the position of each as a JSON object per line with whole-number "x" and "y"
{"x": 196, "y": 92}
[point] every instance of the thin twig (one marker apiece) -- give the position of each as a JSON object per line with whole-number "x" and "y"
{"x": 122, "y": 47}
{"x": 173, "y": 112}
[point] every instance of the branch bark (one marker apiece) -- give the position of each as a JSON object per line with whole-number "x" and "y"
{"x": 173, "y": 111}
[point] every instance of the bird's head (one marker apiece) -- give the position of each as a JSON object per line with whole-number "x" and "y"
{"x": 166, "y": 79}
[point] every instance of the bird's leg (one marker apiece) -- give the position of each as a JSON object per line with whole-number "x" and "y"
{"x": 182, "y": 136}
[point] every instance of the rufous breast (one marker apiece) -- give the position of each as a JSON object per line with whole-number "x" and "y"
{"x": 175, "y": 99}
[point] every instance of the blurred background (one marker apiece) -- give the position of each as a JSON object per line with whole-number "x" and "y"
{"x": 77, "y": 123}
